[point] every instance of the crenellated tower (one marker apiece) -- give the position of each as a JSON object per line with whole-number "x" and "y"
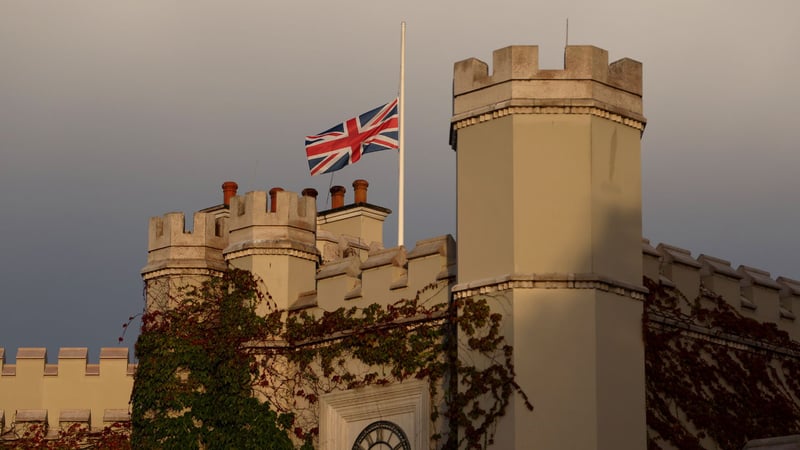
{"x": 275, "y": 240}
{"x": 177, "y": 258}
{"x": 549, "y": 228}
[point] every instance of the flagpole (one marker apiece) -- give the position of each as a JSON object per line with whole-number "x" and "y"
{"x": 400, "y": 137}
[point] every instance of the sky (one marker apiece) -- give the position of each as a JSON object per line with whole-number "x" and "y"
{"x": 115, "y": 111}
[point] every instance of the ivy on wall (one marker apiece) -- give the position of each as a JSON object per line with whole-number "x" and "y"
{"x": 214, "y": 374}
{"x": 74, "y": 437}
{"x": 715, "y": 379}
{"x": 193, "y": 386}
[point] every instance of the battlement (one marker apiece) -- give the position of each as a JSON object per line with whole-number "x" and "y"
{"x": 170, "y": 245}
{"x": 588, "y": 84}
{"x": 521, "y": 62}
{"x": 385, "y": 276}
{"x": 280, "y": 218}
{"x": 170, "y": 231}
{"x": 56, "y": 391}
{"x": 32, "y": 361}
{"x": 751, "y": 291}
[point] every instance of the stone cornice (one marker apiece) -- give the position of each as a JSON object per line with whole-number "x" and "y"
{"x": 353, "y": 210}
{"x": 311, "y": 256}
{"x": 511, "y": 107}
{"x": 149, "y": 274}
{"x": 549, "y": 281}
{"x": 716, "y": 336}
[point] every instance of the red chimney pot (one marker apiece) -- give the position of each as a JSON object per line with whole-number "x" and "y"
{"x": 228, "y": 191}
{"x": 273, "y": 198}
{"x": 360, "y": 187}
{"x": 337, "y": 196}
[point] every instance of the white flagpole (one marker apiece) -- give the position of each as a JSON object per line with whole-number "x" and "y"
{"x": 400, "y": 137}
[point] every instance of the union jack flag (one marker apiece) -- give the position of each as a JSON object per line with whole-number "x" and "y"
{"x": 344, "y": 144}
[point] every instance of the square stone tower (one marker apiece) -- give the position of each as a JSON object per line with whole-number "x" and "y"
{"x": 549, "y": 230}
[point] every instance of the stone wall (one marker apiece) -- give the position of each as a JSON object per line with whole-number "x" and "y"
{"x": 72, "y": 390}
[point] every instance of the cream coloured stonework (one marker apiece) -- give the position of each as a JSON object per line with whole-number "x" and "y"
{"x": 343, "y": 415}
{"x": 549, "y": 232}
{"x": 62, "y": 390}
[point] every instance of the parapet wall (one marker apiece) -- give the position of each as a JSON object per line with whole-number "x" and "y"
{"x": 588, "y": 84}
{"x": 287, "y": 220}
{"x": 521, "y": 62}
{"x": 279, "y": 237}
{"x": 72, "y": 390}
{"x": 386, "y": 276}
{"x": 751, "y": 291}
{"x": 171, "y": 246}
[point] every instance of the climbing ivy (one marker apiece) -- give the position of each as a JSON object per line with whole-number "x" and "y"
{"x": 214, "y": 374}
{"x": 352, "y": 348}
{"x": 76, "y": 436}
{"x": 193, "y": 386}
{"x": 715, "y": 379}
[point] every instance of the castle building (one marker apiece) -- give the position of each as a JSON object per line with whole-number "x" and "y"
{"x": 549, "y": 233}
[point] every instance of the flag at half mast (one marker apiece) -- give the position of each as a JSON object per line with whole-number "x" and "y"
{"x": 344, "y": 144}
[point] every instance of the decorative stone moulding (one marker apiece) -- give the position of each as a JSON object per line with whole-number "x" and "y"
{"x": 344, "y": 414}
{"x": 548, "y": 281}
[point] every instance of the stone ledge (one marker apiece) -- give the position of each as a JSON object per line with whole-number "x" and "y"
{"x": 791, "y": 442}
{"x": 254, "y": 248}
{"x": 185, "y": 265}
{"x": 116, "y": 415}
{"x": 549, "y": 281}
{"x": 592, "y": 108}
{"x": 716, "y": 336}
{"x": 183, "y": 272}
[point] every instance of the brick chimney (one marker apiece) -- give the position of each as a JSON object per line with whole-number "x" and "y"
{"x": 360, "y": 220}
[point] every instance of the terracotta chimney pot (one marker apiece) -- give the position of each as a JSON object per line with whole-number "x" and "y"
{"x": 360, "y": 187}
{"x": 273, "y": 198}
{"x": 337, "y": 196}
{"x": 310, "y": 192}
{"x": 228, "y": 191}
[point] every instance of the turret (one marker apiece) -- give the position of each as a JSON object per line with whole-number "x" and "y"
{"x": 549, "y": 166}
{"x": 275, "y": 240}
{"x": 549, "y": 232}
{"x": 177, "y": 258}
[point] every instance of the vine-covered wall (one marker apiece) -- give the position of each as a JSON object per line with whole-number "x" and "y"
{"x": 715, "y": 379}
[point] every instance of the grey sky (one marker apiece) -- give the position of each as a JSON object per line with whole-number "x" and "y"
{"x": 115, "y": 111}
